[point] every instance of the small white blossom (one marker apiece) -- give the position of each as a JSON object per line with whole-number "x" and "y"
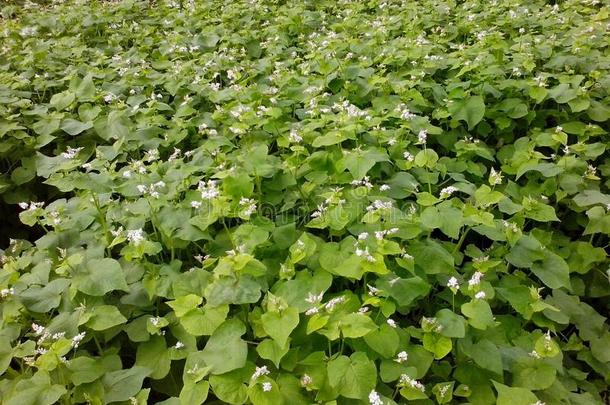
{"x": 447, "y": 191}
{"x": 374, "y": 398}
{"x": 495, "y": 177}
{"x": 453, "y": 283}
{"x": 71, "y": 153}
{"x": 267, "y": 386}
{"x": 480, "y": 295}
{"x": 306, "y": 380}
{"x": 208, "y": 189}
{"x": 178, "y": 345}
{"x": 135, "y": 236}
{"x": 475, "y": 279}
{"x": 422, "y": 136}
{"x": 330, "y": 305}
{"x": 384, "y": 187}
{"x": 401, "y": 357}
{"x": 38, "y": 329}
{"x": 406, "y": 380}
{"x": 391, "y": 322}
{"x": 5, "y": 292}
{"x": 363, "y": 236}
{"x": 408, "y": 156}
{"x": 294, "y": 136}
{"x": 195, "y": 204}
{"x": 77, "y": 339}
{"x": 260, "y": 371}
{"x": 314, "y": 298}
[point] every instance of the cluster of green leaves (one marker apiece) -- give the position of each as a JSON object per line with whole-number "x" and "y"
{"x": 312, "y": 202}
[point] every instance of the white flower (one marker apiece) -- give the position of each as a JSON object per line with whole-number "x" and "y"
{"x": 135, "y": 236}
{"x": 77, "y": 339}
{"x": 453, "y": 283}
{"x": 267, "y": 386}
{"x": 306, "y": 380}
{"x": 155, "y": 320}
{"x": 208, "y": 189}
{"x": 401, "y": 357}
{"x": 363, "y": 236}
{"x": 408, "y": 156}
{"x": 447, "y": 191}
{"x": 475, "y": 279}
{"x": 392, "y": 141}
{"x": 260, "y": 371}
{"x": 313, "y": 298}
{"x": 384, "y": 187}
{"x": 391, "y": 322}
{"x": 195, "y": 204}
{"x": 312, "y": 311}
{"x": 480, "y": 295}
{"x": 534, "y": 354}
{"x": 249, "y": 204}
{"x": 127, "y": 174}
{"x": 495, "y": 177}
{"x": 178, "y": 345}
{"x": 294, "y": 136}
{"x": 406, "y": 380}
{"x": 422, "y": 136}
{"x": 5, "y": 292}
{"x": 38, "y": 329}
{"x": 71, "y": 153}
{"x": 374, "y": 398}
{"x": 330, "y": 305}
{"x": 372, "y": 290}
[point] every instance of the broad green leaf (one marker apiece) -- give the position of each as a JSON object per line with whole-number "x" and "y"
{"x": 105, "y": 317}
{"x": 279, "y": 325}
{"x": 478, "y": 313}
{"x": 225, "y": 350}
{"x": 154, "y": 355}
{"x": 514, "y": 395}
{"x": 121, "y": 385}
{"x": 270, "y": 350}
{"x": 437, "y": 344}
{"x": 470, "y": 110}
{"x": 100, "y": 276}
{"x": 384, "y": 341}
{"x": 354, "y": 377}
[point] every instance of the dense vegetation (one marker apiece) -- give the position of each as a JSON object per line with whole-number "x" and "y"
{"x": 263, "y": 202}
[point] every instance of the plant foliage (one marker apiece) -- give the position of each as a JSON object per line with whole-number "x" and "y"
{"x": 322, "y": 202}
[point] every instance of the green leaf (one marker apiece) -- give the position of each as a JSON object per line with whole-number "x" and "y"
{"x": 487, "y": 355}
{"x": 74, "y": 127}
{"x": 537, "y": 376}
{"x": 195, "y": 393}
{"x": 470, "y": 110}
{"x": 280, "y": 325}
{"x": 453, "y": 325}
{"x": 225, "y": 350}
{"x": 86, "y": 89}
{"x": 229, "y": 387}
{"x": 123, "y": 384}
{"x": 100, "y": 276}
{"x": 270, "y": 350}
{"x": 62, "y": 100}
{"x": 184, "y": 304}
{"x": 437, "y": 344}
{"x": 44, "y": 299}
{"x": 154, "y": 356}
{"x": 552, "y": 270}
{"x": 384, "y": 341}
{"x": 356, "y": 325}
{"x": 85, "y": 369}
{"x": 105, "y": 317}
{"x": 405, "y": 290}
{"x": 513, "y": 395}
{"x": 478, "y": 313}
{"x": 353, "y": 377}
